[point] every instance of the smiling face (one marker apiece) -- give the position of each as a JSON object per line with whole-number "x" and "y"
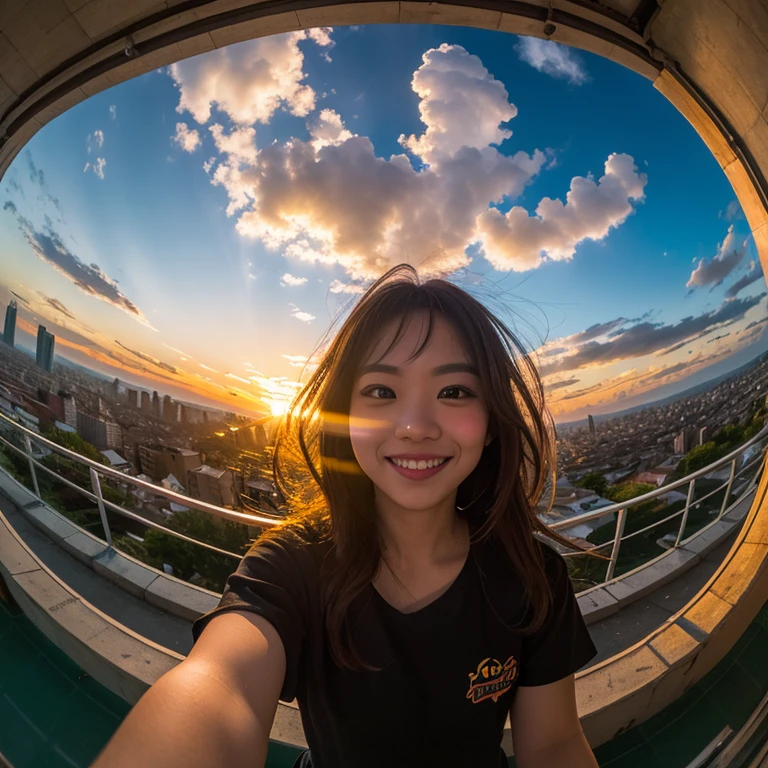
{"x": 427, "y": 415}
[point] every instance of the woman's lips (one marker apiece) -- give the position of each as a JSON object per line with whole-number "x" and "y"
{"x": 418, "y": 474}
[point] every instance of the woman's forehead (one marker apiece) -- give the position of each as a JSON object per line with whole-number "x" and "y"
{"x": 444, "y": 340}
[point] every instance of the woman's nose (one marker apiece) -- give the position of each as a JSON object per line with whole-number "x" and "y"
{"x": 416, "y": 424}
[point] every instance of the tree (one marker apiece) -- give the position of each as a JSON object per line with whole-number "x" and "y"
{"x": 595, "y": 482}
{"x": 701, "y": 455}
{"x": 627, "y": 491}
{"x": 74, "y": 442}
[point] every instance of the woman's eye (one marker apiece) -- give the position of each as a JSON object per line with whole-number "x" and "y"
{"x": 460, "y": 390}
{"x": 369, "y": 392}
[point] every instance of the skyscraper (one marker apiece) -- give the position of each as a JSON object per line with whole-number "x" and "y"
{"x": 591, "y": 424}
{"x": 45, "y": 345}
{"x": 9, "y": 332}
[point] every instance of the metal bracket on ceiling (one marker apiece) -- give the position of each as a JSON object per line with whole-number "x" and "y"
{"x": 549, "y": 26}
{"x": 130, "y": 49}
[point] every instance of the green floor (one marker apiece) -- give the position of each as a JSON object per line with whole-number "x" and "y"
{"x": 52, "y": 714}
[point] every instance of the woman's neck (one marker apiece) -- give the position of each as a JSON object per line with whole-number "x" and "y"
{"x": 415, "y": 540}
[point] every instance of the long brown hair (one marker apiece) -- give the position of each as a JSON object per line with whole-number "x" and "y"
{"x": 332, "y": 499}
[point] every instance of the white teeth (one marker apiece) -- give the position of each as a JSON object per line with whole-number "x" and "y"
{"x": 422, "y": 464}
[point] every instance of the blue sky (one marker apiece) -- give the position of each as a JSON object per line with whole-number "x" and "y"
{"x": 216, "y": 282}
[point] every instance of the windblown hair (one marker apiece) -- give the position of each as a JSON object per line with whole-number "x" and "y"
{"x": 330, "y": 497}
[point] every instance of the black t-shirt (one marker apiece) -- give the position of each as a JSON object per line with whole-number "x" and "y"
{"x": 449, "y": 672}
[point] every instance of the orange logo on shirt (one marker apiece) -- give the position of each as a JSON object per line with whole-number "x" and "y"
{"x": 492, "y": 679}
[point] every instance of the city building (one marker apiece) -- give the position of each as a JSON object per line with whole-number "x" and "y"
{"x": 702, "y": 435}
{"x": 70, "y": 410}
{"x": 146, "y": 402}
{"x": 158, "y": 461}
{"x": 591, "y": 424}
{"x": 99, "y": 432}
{"x": 156, "y": 405}
{"x": 45, "y": 346}
{"x": 685, "y": 440}
{"x": 169, "y": 409}
{"x": 133, "y": 398}
{"x": 214, "y": 486}
{"x": 9, "y": 331}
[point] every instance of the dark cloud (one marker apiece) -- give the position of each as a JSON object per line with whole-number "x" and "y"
{"x": 89, "y": 278}
{"x": 756, "y": 323}
{"x": 57, "y": 305}
{"x": 36, "y": 176}
{"x": 148, "y": 358}
{"x": 20, "y": 298}
{"x": 721, "y": 336}
{"x": 713, "y": 271}
{"x": 755, "y": 273}
{"x": 598, "y": 329}
{"x": 647, "y": 338}
{"x": 561, "y": 384}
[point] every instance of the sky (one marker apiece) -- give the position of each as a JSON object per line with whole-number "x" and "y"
{"x": 197, "y": 229}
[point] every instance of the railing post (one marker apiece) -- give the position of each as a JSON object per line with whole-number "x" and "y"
{"x": 620, "y": 520}
{"x": 728, "y": 489}
{"x": 96, "y": 485}
{"x": 684, "y": 519}
{"x": 28, "y": 444}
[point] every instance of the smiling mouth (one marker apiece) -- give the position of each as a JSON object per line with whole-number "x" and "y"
{"x": 420, "y": 464}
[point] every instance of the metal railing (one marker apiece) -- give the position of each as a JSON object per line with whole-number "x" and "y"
{"x": 97, "y": 471}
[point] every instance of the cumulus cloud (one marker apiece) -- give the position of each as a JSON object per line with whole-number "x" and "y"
{"x": 552, "y": 59}
{"x": 113, "y": 111}
{"x": 37, "y": 177}
{"x": 332, "y": 200}
{"x": 239, "y": 144}
{"x": 289, "y": 280}
{"x": 461, "y": 104}
{"x": 732, "y": 211}
{"x": 647, "y": 338}
{"x": 754, "y": 273}
{"x": 517, "y": 241}
{"x": 188, "y": 140}
{"x": 713, "y": 271}
{"x": 89, "y": 278}
{"x": 328, "y": 129}
{"x": 248, "y": 81}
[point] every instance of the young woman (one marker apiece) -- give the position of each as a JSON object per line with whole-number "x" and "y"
{"x": 409, "y": 603}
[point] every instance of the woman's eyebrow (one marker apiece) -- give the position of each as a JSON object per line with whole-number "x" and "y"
{"x": 438, "y": 371}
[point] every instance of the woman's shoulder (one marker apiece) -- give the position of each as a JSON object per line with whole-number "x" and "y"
{"x": 296, "y": 543}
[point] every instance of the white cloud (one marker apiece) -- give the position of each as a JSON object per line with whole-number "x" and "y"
{"x": 248, "y": 81}
{"x": 113, "y": 111}
{"x": 289, "y": 280}
{"x": 98, "y": 167}
{"x": 338, "y": 287}
{"x": 305, "y": 317}
{"x": 322, "y": 36}
{"x": 713, "y": 271}
{"x": 188, "y": 140}
{"x": 87, "y": 166}
{"x": 239, "y": 144}
{"x": 517, "y": 240}
{"x": 328, "y": 129}
{"x": 296, "y": 360}
{"x": 461, "y": 104}
{"x": 553, "y": 59}
{"x": 208, "y": 164}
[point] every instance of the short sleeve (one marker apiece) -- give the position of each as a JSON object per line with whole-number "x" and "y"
{"x": 270, "y": 581}
{"x": 563, "y": 644}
